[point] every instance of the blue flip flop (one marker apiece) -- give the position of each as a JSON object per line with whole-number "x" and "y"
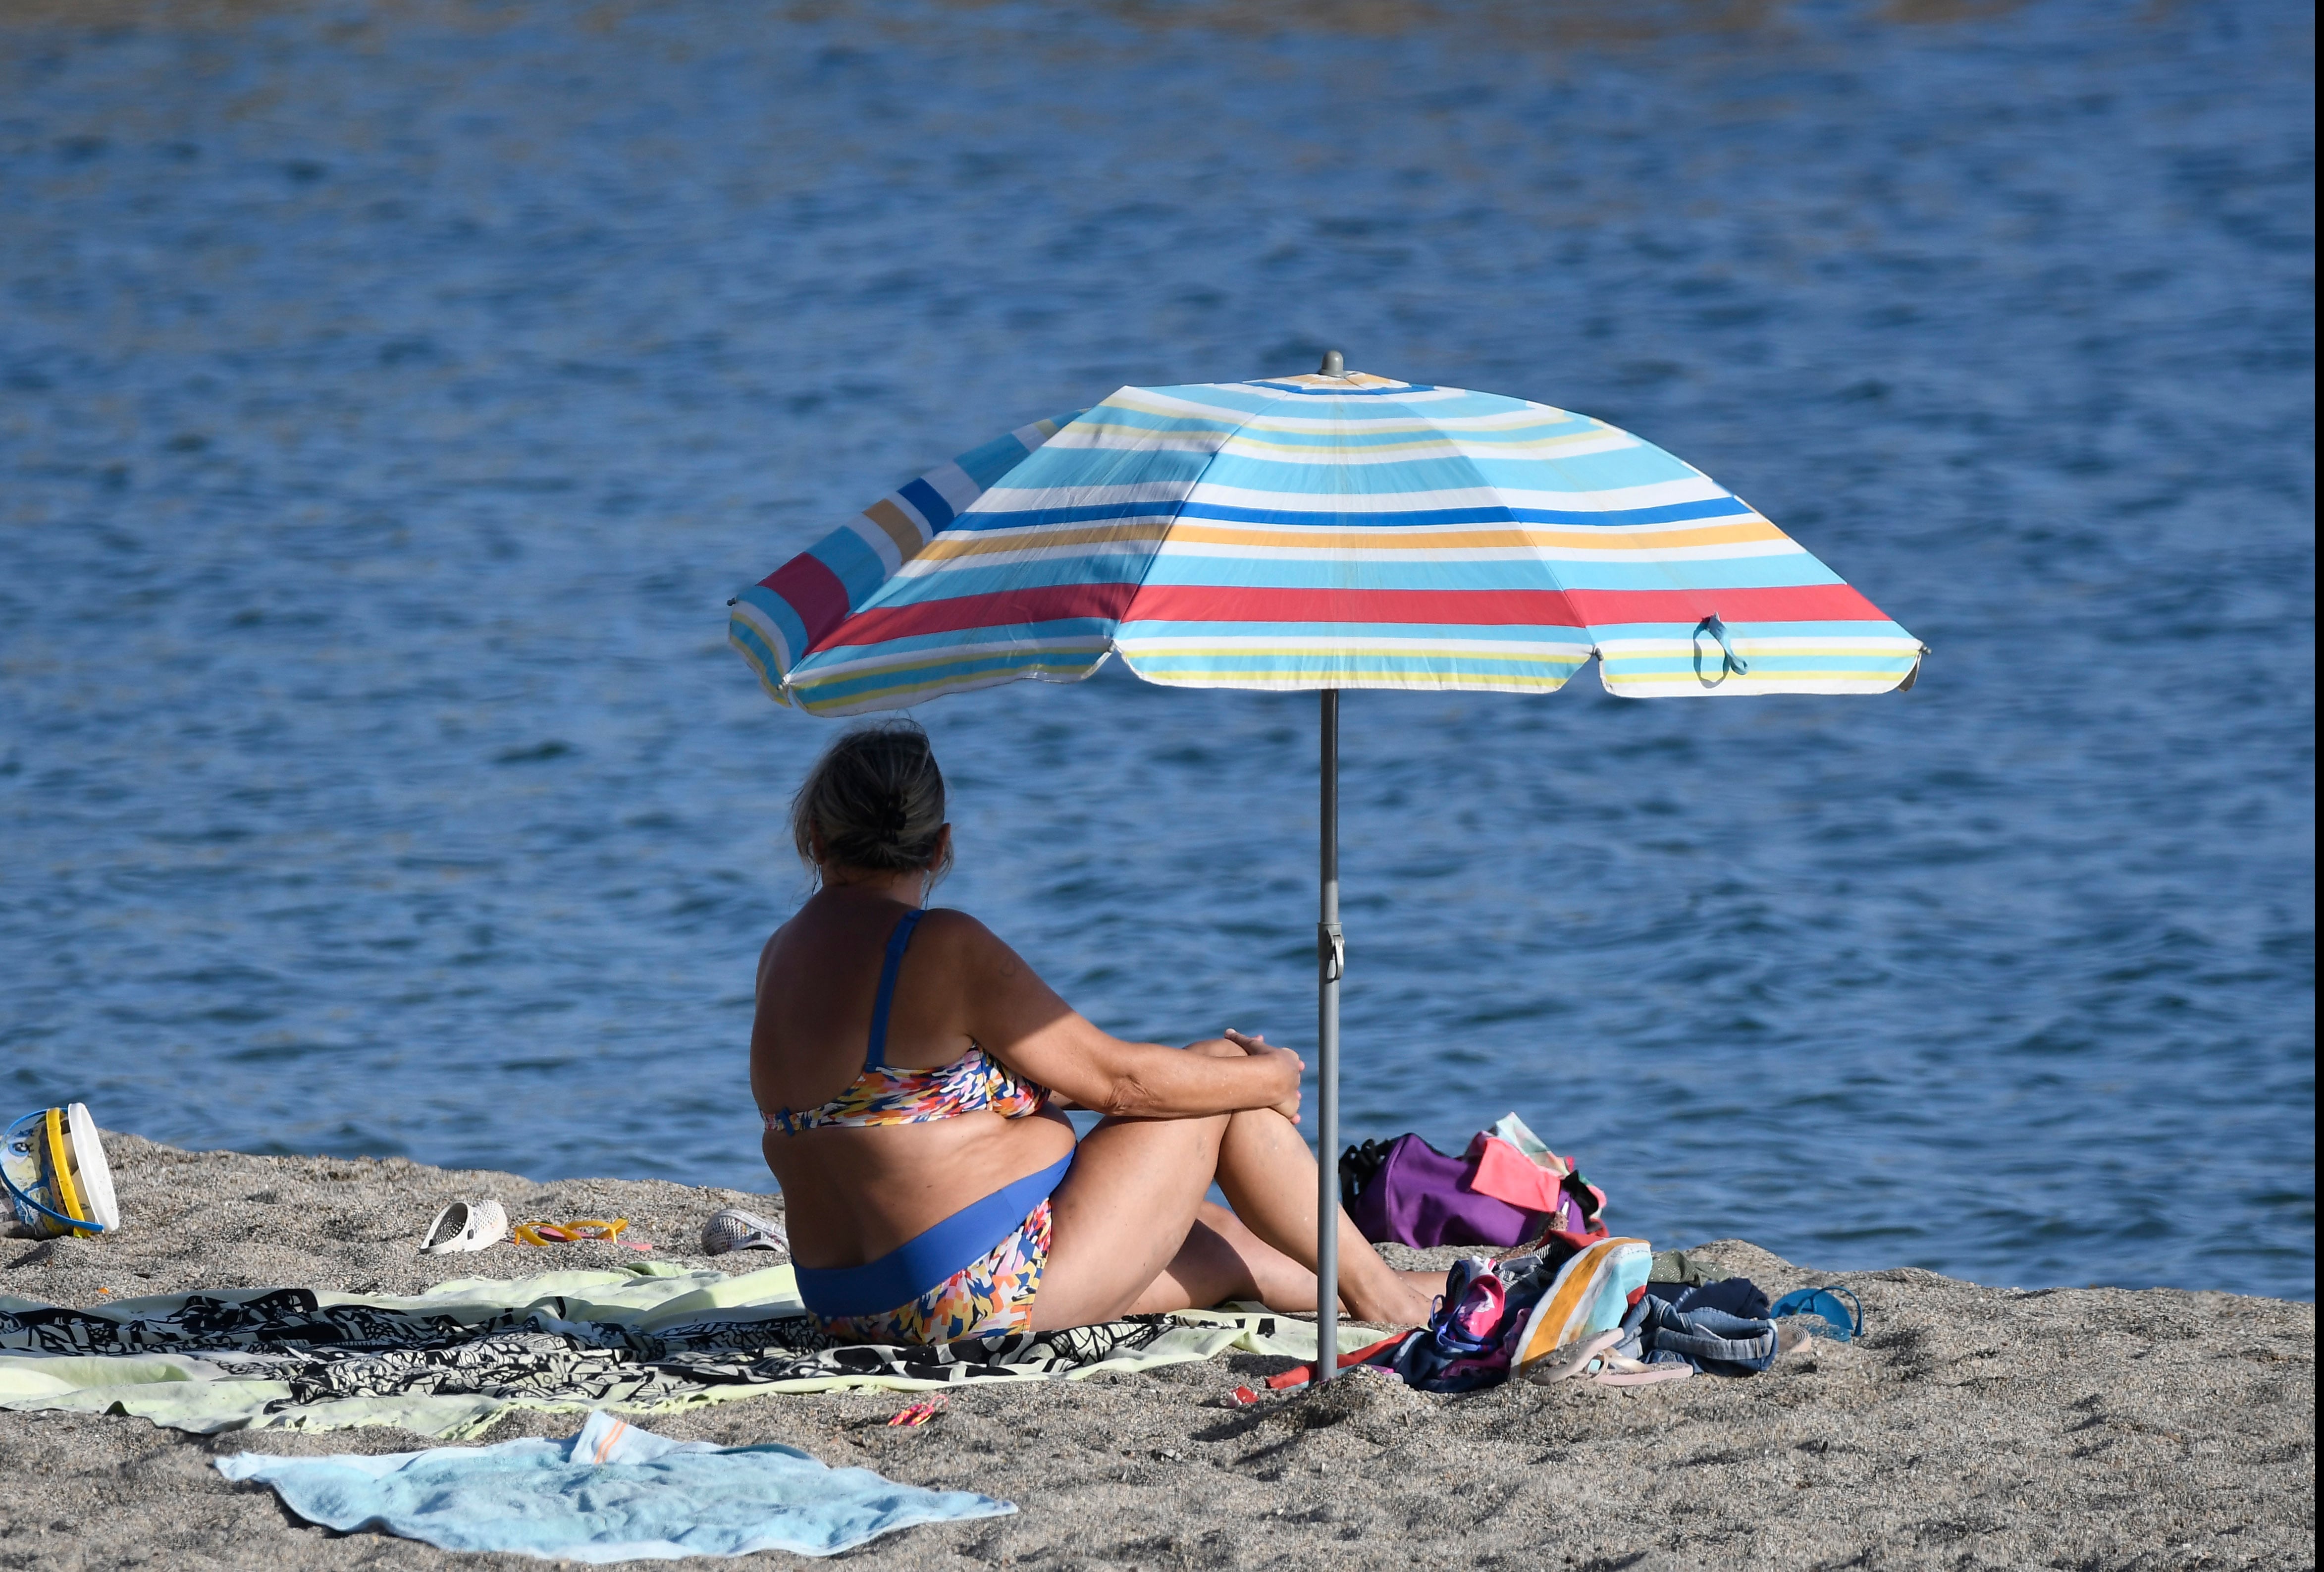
{"x": 1845, "y": 1319}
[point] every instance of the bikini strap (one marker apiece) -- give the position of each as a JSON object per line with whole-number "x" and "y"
{"x": 875, "y": 1055}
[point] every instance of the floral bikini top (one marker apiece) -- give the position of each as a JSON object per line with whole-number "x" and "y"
{"x": 881, "y": 1095}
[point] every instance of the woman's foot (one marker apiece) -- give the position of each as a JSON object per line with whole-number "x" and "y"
{"x": 1406, "y": 1298}
{"x": 1430, "y": 1287}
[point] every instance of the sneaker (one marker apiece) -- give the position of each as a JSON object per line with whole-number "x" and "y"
{"x": 732, "y": 1228}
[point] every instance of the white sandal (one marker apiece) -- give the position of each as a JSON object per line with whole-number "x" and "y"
{"x": 465, "y": 1225}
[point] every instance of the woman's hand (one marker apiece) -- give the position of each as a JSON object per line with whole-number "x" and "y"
{"x": 1005, "y": 1007}
{"x": 1289, "y": 1064}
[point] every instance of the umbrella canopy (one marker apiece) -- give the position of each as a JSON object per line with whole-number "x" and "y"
{"x": 1330, "y": 531}
{"x": 1313, "y": 532}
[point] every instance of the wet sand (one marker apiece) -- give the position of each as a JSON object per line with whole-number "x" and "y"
{"x": 1972, "y": 1427}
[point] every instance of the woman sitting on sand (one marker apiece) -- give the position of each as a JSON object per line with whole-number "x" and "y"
{"x": 910, "y": 1069}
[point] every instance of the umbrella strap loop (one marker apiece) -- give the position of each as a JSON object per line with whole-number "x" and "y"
{"x": 1331, "y": 950}
{"x": 1736, "y": 665}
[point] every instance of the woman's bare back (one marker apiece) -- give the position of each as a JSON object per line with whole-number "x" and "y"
{"x": 853, "y": 1194}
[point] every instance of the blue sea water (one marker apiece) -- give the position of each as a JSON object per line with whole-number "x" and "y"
{"x": 390, "y": 396}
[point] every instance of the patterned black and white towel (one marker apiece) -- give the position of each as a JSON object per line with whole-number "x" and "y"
{"x": 295, "y": 1355}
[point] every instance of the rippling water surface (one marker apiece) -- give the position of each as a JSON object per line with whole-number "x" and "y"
{"x": 392, "y": 395}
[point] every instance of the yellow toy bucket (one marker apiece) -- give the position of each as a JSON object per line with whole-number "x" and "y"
{"x": 52, "y": 1164}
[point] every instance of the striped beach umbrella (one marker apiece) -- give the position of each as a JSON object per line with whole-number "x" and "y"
{"x": 1332, "y": 530}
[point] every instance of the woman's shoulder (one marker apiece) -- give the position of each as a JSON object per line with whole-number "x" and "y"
{"x": 942, "y": 934}
{"x": 954, "y": 932}
{"x": 969, "y": 948}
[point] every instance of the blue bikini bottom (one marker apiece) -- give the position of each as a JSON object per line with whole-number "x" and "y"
{"x": 927, "y": 1258}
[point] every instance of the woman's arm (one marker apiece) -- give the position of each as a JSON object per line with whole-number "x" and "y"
{"x": 1020, "y": 1021}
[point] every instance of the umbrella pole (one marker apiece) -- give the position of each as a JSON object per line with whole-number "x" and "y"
{"x": 1330, "y": 960}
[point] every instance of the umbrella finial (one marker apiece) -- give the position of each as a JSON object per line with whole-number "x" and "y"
{"x": 1335, "y": 363}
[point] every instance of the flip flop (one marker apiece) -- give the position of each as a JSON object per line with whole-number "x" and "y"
{"x": 1574, "y": 1358}
{"x": 732, "y": 1228}
{"x": 1844, "y": 1319}
{"x": 465, "y": 1225}
{"x": 546, "y": 1233}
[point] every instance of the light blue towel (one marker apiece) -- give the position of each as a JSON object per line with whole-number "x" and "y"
{"x": 613, "y": 1493}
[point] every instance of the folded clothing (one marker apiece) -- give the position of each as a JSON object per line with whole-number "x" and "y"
{"x": 1721, "y": 1328}
{"x": 1737, "y": 1296}
{"x": 613, "y": 1492}
{"x": 1519, "y": 1313}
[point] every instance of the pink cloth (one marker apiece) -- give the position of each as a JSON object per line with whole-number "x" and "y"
{"x": 1508, "y": 1174}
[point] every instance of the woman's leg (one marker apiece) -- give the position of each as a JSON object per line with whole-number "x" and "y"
{"x": 1122, "y": 1214}
{"x": 1223, "y": 1260}
{"x": 1124, "y": 1230}
{"x": 1268, "y": 1175}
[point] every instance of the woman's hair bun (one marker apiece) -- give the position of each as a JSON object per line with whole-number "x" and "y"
{"x": 875, "y": 800}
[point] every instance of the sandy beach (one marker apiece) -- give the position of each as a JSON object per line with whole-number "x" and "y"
{"x": 1971, "y": 1426}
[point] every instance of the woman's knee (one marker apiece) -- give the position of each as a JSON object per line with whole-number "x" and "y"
{"x": 1215, "y": 1047}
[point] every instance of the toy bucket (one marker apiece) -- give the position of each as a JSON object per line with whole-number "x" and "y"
{"x": 52, "y": 1164}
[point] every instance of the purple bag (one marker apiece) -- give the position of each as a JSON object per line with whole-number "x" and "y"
{"x": 1409, "y": 1193}
{"x": 1415, "y": 1195}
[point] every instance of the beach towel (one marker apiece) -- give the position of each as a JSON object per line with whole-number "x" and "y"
{"x": 446, "y": 1363}
{"x": 613, "y": 1492}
